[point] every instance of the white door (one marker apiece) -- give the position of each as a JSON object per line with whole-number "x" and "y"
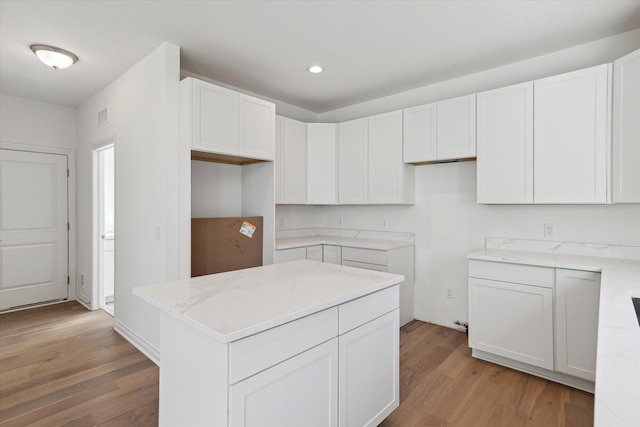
{"x": 33, "y": 228}
{"x": 353, "y": 147}
{"x": 386, "y": 170}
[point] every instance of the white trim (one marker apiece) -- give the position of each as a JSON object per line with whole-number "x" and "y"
{"x": 71, "y": 204}
{"x": 137, "y": 341}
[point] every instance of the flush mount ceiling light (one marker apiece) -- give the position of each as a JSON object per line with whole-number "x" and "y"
{"x": 315, "y": 69}
{"x": 54, "y": 57}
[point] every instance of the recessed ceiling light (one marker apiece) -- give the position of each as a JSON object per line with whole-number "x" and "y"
{"x": 54, "y": 57}
{"x": 315, "y": 69}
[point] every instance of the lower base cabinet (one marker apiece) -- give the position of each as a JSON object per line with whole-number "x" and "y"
{"x": 306, "y": 385}
{"x": 369, "y": 372}
{"x": 540, "y": 320}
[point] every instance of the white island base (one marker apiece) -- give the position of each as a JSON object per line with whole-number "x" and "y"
{"x": 321, "y": 348}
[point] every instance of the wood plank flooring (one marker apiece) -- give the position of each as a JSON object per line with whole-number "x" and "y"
{"x": 442, "y": 385}
{"x": 64, "y": 366}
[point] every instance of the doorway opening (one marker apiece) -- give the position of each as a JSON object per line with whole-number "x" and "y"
{"x": 104, "y": 238}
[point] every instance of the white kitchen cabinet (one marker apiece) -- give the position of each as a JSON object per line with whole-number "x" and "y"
{"x": 505, "y": 145}
{"x": 571, "y": 128}
{"x": 314, "y": 253}
{"x": 332, "y": 254}
{"x": 456, "y": 128}
{"x": 353, "y": 155}
{"x": 321, "y": 163}
{"x": 398, "y": 261}
{"x": 292, "y": 254}
{"x": 419, "y": 133}
{"x": 626, "y": 129}
{"x": 444, "y": 130}
{"x": 221, "y": 121}
{"x": 390, "y": 180}
{"x": 306, "y": 385}
{"x": 279, "y": 161}
{"x": 293, "y": 161}
{"x": 369, "y": 361}
{"x": 511, "y": 311}
{"x": 576, "y": 304}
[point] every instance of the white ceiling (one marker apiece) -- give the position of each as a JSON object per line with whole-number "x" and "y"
{"x": 369, "y": 49}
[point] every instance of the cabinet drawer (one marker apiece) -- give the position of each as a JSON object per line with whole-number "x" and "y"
{"x": 514, "y": 273}
{"x": 367, "y": 266}
{"x": 362, "y": 310}
{"x": 258, "y": 352}
{"x": 369, "y": 256}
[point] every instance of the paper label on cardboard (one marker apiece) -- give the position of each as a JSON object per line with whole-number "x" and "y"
{"x": 247, "y": 229}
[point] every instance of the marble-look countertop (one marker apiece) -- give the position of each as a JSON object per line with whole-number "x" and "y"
{"x": 379, "y": 240}
{"x": 617, "y": 385}
{"x": 233, "y": 305}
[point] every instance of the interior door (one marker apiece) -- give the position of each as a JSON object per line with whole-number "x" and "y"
{"x": 33, "y": 228}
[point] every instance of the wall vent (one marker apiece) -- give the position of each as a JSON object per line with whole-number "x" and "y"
{"x": 103, "y": 116}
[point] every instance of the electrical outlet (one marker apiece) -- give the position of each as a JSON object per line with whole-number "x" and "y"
{"x": 449, "y": 293}
{"x": 384, "y": 223}
{"x": 158, "y": 233}
{"x": 548, "y": 230}
{"x": 340, "y": 222}
{"x": 280, "y": 222}
{"x": 82, "y": 280}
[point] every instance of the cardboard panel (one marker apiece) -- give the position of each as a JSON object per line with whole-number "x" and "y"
{"x": 223, "y": 244}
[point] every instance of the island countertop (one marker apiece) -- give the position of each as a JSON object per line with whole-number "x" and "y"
{"x": 233, "y": 305}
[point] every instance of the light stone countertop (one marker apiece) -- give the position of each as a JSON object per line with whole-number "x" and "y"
{"x": 617, "y": 385}
{"x": 378, "y": 240}
{"x": 233, "y": 305}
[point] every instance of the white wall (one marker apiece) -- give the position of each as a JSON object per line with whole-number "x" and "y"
{"x": 144, "y": 120}
{"x": 447, "y": 221}
{"x": 23, "y": 121}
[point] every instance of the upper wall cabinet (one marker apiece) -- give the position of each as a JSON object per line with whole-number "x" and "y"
{"x": 225, "y": 122}
{"x": 626, "y": 129}
{"x": 291, "y": 161}
{"x": 353, "y": 153}
{"x": 571, "y": 131}
{"x": 545, "y": 141}
{"x": 321, "y": 163}
{"x": 505, "y": 145}
{"x": 370, "y": 167}
{"x": 444, "y": 130}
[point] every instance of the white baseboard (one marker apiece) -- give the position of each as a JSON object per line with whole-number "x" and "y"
{"x": 137, "y": 341}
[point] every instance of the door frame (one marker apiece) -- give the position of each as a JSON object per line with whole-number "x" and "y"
{"x": 97, "y": 290}
{"x": 71, "y": 208}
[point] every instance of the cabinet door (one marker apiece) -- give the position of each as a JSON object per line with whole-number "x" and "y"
{"x": 257, "y": 128}
{"x": 314, "y": 253}
{"x": 353, "y": 141}
{"x": 419, "y": 133}
{"x": 215, "y": 118}
{"x": 512, "y": 320}
{"x": 577, "y": 304}
{"x": 570, "y": 128}
{"x": 279, "y": 161}
{"x": 456, "y": 128}
{"x": 626, "y": 129}
{"x": 369, "y": 372}
{"x": 505, "y": 145}
{"x": 295, "y": 162}
{"x": 332, "y": 254}
{"x": 301, "y": 391}
{"x": 321, "y": 163}
{"x": 386, "y": 168}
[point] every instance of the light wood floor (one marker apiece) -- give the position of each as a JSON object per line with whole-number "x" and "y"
{"x": 64, "y": 366}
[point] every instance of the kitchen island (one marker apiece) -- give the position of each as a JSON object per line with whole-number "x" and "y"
{"x": 299, "y": 343}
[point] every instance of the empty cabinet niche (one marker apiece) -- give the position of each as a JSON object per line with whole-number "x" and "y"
{"x": 225, "y": 122}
